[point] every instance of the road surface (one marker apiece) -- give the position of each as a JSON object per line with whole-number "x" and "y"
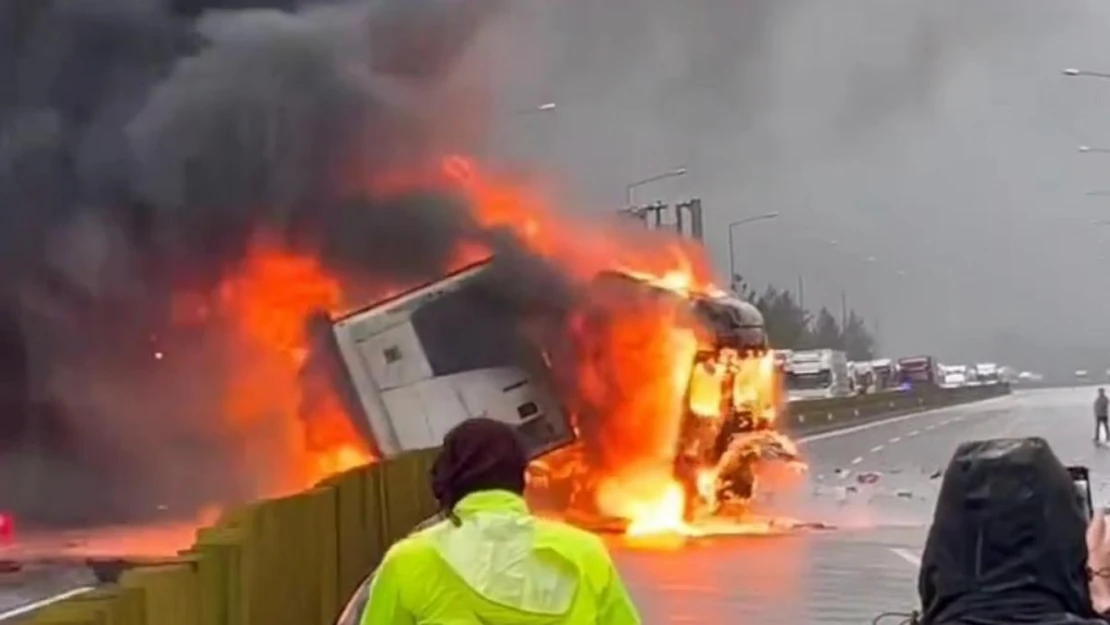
{"x": 37, "y": 585}
{"x": 865, "y": 567}
{"x": 869, "y": 564}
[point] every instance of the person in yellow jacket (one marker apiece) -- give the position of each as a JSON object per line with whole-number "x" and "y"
{"x": 490, "y": 561}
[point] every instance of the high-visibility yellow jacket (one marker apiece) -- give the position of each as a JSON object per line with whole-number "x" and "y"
{"x": 500, "y": 566}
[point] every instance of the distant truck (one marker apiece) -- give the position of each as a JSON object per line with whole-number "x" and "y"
{"x": 955, "y": 376}
{"x": 886, "y": 374}
{"x": 918, "y": 372}
{"x": 1029, "y": 377}
{"x": 818, "y": 373}
{"x": 988, "y": 373}
{"x": 863, "y": 377}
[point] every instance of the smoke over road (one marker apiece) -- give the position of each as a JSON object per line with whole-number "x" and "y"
{"x": 143, "y": 149}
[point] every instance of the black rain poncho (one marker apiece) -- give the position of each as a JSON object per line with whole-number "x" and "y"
{"x": 1007, "y": 544}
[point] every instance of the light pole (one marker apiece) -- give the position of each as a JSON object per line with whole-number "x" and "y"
{"x": 1086, "y": 149}
{"x": 732, "y": 246}
{"x": 630, "y": 189}
{"x": 1071, "y": 71}
{"x": 1097, "y": 193}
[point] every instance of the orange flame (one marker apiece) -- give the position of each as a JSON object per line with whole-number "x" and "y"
{"x": 638, "y": 373}
{"x": 268, "y": 302}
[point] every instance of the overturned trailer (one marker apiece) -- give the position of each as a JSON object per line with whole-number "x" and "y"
{"x": 416, "y": 365}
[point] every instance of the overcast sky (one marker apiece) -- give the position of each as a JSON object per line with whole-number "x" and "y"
{"x": 936, "y": 136}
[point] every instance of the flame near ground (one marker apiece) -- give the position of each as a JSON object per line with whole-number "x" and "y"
{"x": 632, "y": 373}
{"x": 633, "y": 369}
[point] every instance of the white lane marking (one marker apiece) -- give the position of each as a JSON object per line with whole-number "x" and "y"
{"x": 857, "y": 460}
{"x": 895, "y": 440}
{"x": 877, "y": 448}
{"x": 929, "y": 428}
{"x": 907, "y": 555}
{"x": 874, "y": 424}
{"x": 42, "y": 603}
{"x": 914, "y": 433}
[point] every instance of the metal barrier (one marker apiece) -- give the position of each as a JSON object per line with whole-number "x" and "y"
{"x": 819, "y": 414}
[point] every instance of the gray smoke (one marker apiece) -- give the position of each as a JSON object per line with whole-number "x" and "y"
{"x": 898, "y": 129}
{"x": 143, "y": 145}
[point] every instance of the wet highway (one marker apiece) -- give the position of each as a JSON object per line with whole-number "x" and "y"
{"x": 851, "y": 574}
{"x": 868, "y": 565}
{"x": 37, "y": 585}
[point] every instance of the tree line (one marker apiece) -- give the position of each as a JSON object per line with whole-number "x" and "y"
{"x": 791, "y": 326}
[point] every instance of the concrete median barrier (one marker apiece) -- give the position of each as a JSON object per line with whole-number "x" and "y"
{"x": 811, "y": 416}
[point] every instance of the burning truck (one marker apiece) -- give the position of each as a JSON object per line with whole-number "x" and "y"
{"x": 415, "y": 365}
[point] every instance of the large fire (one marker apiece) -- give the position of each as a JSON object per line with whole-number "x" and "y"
{"x": 644, "y": 368}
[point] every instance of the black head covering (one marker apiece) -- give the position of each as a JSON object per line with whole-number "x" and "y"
{"x": 1007, "y": 544}
{"x": 478, "y": 454}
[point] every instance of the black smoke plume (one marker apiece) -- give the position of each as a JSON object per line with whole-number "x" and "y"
{"x": 145, "y": 143}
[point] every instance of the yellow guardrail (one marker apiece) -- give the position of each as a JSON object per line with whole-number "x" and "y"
{"x": 803, "y": 417}
{"x": 293, "y": 560}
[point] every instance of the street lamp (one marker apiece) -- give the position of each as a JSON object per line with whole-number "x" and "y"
{"x": 546, "y": 107}
{"x": 731, "y": 243}
{"x": 1087, "y": 149}
{"x": 512, "y": 121}
{"x": 630, "y": 189}
{"x": 1071, "y": 71}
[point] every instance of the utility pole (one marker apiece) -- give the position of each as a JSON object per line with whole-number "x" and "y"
{"x": 687, "y": 218}
{"x": 843, "y": 310}
{"x": 651, "y": 216}
{"x": 801, "y": 293}
{"x": 693, "y": 209}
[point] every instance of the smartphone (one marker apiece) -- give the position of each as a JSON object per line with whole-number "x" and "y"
{"x": 1081, "y": 478}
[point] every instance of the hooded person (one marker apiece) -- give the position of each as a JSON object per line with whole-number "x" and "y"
{"x": 486, "y": 559}
{"x": 1008, "y": 543}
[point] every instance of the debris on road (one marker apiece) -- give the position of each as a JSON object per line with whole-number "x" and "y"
{"x": 870, "y": 477}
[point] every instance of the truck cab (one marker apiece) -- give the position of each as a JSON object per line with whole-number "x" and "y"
{"x": 818, "y": 373}
{"x": 988, "y": 373}
{"x": 886, "y": 373}
{"x": 863, "y": 377}
{"x": 955, "y": 376}
{"x": 918, "y": 372}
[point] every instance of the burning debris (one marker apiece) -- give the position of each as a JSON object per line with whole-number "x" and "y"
{"x": 644, "y": 402}
{"x": 675, "y": 404}
{"x": 221, "y": 183}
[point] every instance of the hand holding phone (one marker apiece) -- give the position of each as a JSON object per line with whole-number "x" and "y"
{"x": 1081, "y": 478}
